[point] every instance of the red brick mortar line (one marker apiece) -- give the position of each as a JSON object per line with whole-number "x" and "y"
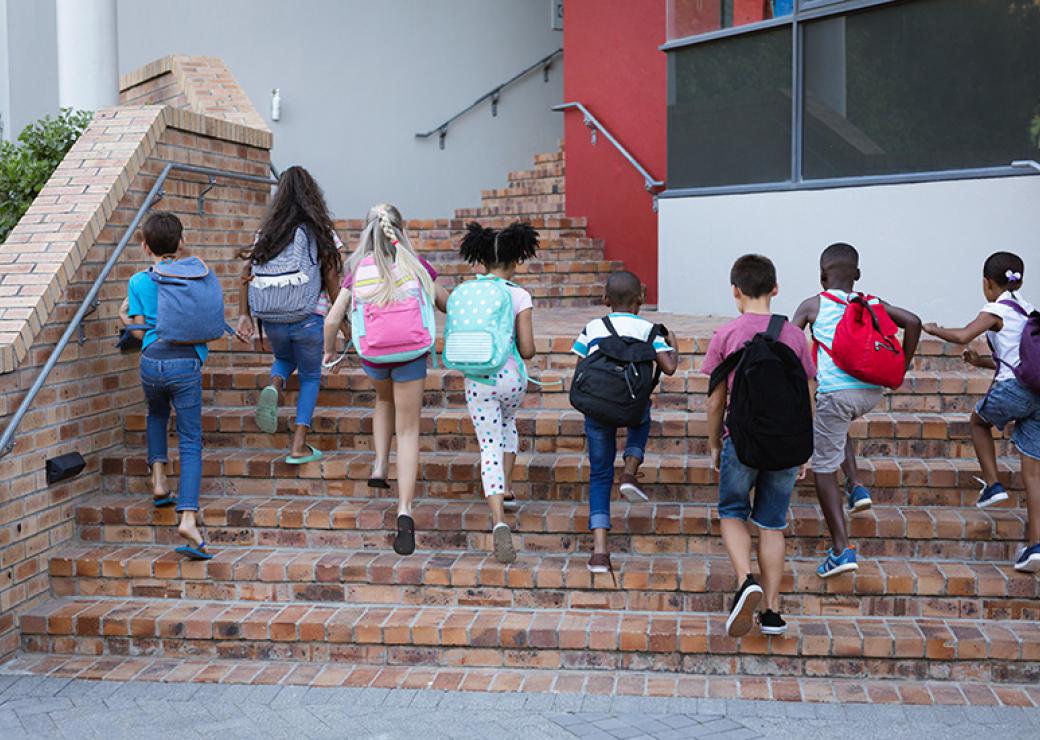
{"x": 602, "y": 683}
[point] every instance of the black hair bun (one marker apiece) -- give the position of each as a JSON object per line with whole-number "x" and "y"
{"x": 517, "y": 242}
{"x": 476, "y": 243}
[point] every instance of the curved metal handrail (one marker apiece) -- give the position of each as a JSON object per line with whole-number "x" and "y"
{"x": 652, "y": 185}
{"x": 90, "y": 301}
{"x": 545, "y": 63}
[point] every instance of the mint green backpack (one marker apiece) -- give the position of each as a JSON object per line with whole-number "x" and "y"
{"x": 480, "y": 331}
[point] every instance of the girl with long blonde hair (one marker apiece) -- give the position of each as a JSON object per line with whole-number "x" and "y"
{"x": 384, "y": 271}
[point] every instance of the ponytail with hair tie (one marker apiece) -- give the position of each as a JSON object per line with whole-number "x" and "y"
{"x": 1013, "y": 277}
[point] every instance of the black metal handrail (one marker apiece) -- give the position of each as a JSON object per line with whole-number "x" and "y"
{"x": 545, "y": 63}
{"x": 89, "y": 303}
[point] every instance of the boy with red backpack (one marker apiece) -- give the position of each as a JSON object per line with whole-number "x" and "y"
{"x": 1012, "y": 327}
{"x": 857, "y": 355}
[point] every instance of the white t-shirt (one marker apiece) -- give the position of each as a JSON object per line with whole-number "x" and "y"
{"x": 625, "y": 324}
{"x": 1006, "y": 341}
{"x": 521, "y": 302}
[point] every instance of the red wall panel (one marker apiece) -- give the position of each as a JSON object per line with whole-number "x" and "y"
{"x": 613, "y": 66}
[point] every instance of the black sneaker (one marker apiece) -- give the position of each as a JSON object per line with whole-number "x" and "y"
{"x": 771, "y": 623}
{"x": 742, "y": 615}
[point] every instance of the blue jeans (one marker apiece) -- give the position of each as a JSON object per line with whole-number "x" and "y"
{"x": 773, "y": 489}
{"x": 602, "y": 443}
{"x": 1010, "y": 401}
{"x": 298, "y": 346}
{"x": 176, "y": 382}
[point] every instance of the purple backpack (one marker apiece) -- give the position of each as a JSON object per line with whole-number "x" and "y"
{"x": 1028, "y": 369}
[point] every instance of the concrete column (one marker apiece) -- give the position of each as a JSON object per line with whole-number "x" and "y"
{"x": 88, "y": 54}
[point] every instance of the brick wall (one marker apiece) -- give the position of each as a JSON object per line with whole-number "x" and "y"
{"x": 46, "y": 268}
{"x": 202, "y": 84}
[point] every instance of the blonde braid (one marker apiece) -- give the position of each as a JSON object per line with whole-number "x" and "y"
{"x": 387, "y": 226}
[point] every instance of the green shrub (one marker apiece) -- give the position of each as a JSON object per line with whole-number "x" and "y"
{"x": 26, "y": 165}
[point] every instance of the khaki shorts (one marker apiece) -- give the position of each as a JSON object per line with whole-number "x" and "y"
{"x": 834, "y": 413}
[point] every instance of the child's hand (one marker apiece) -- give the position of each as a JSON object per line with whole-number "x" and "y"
{"x": 931, "y": 328}
{"x": 124, "y": 312}
{"x": 245, "y": 330}
{"x": 332, "y": 362}
{"x": 972, "y": 357}
{"x": 803, "y": 473}
{"x": 715, "y": 450}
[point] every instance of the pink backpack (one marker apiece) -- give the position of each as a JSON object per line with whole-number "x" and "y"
{"x": 400, "y": 331}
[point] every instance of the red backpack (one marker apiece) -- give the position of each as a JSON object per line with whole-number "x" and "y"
{"x": 865, "y": 343}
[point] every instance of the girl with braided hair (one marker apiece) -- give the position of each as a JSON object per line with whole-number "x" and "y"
{"x": 399, "y": 385}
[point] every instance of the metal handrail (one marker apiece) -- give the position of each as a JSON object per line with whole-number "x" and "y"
{"x": 1026, "y": 164}
{"x": 652, "y": 185}
{"x": 545, "y": 63}
{"x": 89, "y": 302}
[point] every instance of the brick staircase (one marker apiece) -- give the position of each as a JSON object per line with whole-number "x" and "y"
{"x": 304, "y": 576}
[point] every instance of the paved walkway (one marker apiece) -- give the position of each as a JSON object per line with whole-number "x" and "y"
{"x": 43, "y": 707}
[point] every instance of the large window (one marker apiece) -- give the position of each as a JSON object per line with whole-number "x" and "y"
{"x": 892, "y": 89}
{"x": 729, "y": 111}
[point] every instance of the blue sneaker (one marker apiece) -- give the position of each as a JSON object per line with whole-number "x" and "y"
{"x": 1029, "y": 560}
{"x": 837, "y": 564}
{"x": 858, "y": 498}
{"x": 990, "y": 494}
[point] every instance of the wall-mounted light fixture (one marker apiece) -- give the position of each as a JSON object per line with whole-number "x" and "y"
{"x": 276, "y": 104}
{"x": 64, "y": 467}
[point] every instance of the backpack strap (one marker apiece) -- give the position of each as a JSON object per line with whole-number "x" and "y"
{"x": 610, "y": 326}
{"x": 1014, "y": 305}
{"x": 721, "y": 373}
{"x": 832, "y": 297}
{"x": 776, "y": 326}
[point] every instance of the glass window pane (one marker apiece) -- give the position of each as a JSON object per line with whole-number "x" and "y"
{"x": 922, "y": 86}
{"x": 729, "y": 111}
{"x": 692, "y": 17}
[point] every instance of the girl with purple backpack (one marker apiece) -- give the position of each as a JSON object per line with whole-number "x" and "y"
{"x": 391, "y": 293}
{"x": 1012, "y": 328}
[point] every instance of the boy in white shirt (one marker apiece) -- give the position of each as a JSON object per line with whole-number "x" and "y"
{"x": 624, "y": 295}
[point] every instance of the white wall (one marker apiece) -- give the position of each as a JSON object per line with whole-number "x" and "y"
{"x": 921, "y": 245}
{"x": 359, "y": 78}
{"x": 28, "y": 63}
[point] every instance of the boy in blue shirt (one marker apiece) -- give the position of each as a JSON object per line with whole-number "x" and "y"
{"x": 170, "y": 374}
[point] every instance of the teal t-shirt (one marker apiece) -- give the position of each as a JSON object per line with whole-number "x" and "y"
{"x": 144, "y": 301}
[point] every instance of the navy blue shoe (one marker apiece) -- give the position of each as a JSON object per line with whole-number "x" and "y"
{"x": 1029, "y": 560}
{"x": 837, "y": 564}
{"x": 858, "y": 499}
{"x": 991, "y": 494}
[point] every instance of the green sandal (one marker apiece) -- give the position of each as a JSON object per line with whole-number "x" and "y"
{"x": 267, "y": 410}
{"x": 313, "y": 457}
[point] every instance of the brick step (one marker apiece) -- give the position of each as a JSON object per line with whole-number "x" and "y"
{"x": 255, "y": 519}
{"x": 549, "y": 170}
{"x": 592, "y": 690}
{"x": 525, "y": 187}
{"x": 555, "y": 332}
{"x": 661, "y": 582}
{"x": 550, "y": 157}
{"x": 863, "y": 647}
{"x": 924, "y": 391}
{"x": 449, "y": 228}
{"x": 907, "y": 435}
{"x": 538, "y": 477}
{"x": 515, "y": 208}
{"x": 541, "y": 270}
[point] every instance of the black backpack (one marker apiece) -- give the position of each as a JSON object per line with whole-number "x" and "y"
{"x": 770, "y": 415}
{"x": 613, "y": 384}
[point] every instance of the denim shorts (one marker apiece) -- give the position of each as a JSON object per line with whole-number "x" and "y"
{"x": 414, "y": 370}
{"x": 773, "y": 489}
{"x": 1009, "y": 401}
